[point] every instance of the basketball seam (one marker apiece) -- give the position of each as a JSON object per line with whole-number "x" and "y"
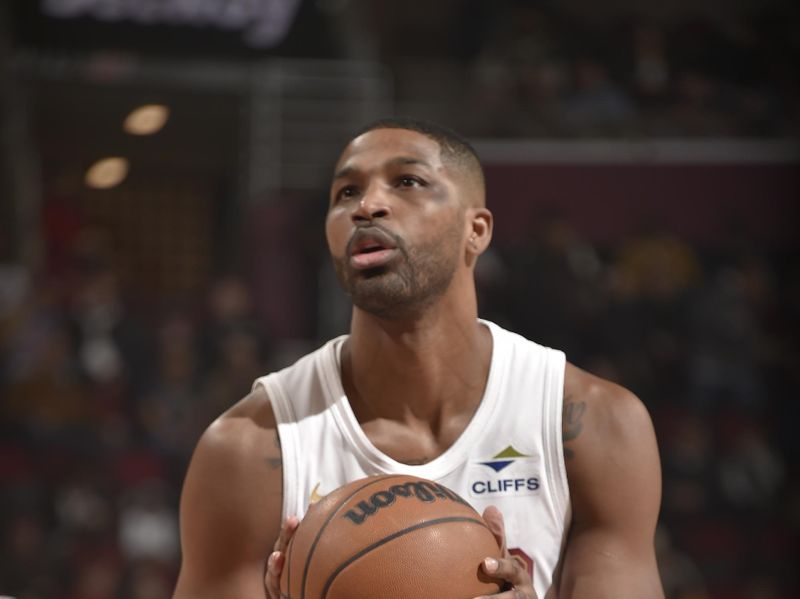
{"x": 389, "y": 538}
{"x": 325, "y": 524}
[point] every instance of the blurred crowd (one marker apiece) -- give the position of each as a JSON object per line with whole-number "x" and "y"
{"x": 106, "y": 385}
{"x": 104, "y": 398}
{"x": 538, "y": 69}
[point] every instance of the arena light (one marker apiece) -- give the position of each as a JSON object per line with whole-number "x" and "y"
{"x": 146, "y": 120}
{"x": 107, "y": 172}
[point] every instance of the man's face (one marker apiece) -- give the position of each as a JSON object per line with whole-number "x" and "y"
{"x": 395, "y": 225}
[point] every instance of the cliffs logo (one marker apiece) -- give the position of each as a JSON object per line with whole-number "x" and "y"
{"x": 509, "y": 473}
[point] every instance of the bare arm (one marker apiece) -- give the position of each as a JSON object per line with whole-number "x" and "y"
{"x": 614, "y": 476}
{"x": 231, "y": 505}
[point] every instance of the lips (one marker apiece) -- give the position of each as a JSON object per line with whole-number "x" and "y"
{"x": 371, "y": 247}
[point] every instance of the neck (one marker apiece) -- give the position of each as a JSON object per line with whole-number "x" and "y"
{"x": 418, "y": 369}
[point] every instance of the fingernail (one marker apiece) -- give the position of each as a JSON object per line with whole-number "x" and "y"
{"x": 490, "y": 564}
{"x": 272, "y": 557}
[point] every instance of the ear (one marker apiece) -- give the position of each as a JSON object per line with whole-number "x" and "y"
{"x": 479, "y": 234}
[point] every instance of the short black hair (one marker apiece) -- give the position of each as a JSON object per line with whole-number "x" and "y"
{"x": 453, "y": 146}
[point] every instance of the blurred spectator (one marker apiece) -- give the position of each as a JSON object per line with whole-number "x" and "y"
{"x": 750, "y": 470}
{"x": 229, "y": 308}
{"x": 45, "y": 396}
{"x": 596, "y": 106}
{"x": 97, "y": 576}
{"x": 688, "y": 461}
{"x": 82, "y": 508}
{"x": 658, "y": 267}
{"x": 233, "y": 347}
{"x": 25, "y": 537}
{"x": 650, "y": 69}
{"x": 148, "y": 523}
{"x": 240, "y": 363}
{"x": 148, "y": 580}
{"x": 553, "y": 286}
{"x": 700, "y": 106}
{"x": 724, "y": 364}
{"x": 681, "y": 577}
{"x": 650, "y": 283}
{"x": 168, "y": 408}
{"x": 519, "y": 74}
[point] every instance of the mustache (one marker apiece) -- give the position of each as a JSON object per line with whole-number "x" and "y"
{"x": 376, "y": 233}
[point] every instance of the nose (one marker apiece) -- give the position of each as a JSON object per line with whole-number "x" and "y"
{"x": 373, "y": 205}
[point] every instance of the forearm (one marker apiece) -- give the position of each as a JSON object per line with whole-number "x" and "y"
{"x": 611, "y": 586}
{"x": 248, "y": 583}
{"x": 600, "y": 564}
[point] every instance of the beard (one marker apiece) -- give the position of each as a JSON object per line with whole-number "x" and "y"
{"x": 408, "y": 284}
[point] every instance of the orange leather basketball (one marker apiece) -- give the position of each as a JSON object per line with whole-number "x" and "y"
{"x": 389, "y": 537}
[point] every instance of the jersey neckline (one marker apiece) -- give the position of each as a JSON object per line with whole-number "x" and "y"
{"x": 454, "y": 455}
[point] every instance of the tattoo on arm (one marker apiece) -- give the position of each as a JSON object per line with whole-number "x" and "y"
{"x": 275, "y": 462}
{"x": 572, "y": 423}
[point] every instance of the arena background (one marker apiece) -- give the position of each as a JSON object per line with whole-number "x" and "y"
{"x": 642, "y": 166}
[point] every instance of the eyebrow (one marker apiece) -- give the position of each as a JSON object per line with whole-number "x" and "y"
{"x": 397, "y": 161}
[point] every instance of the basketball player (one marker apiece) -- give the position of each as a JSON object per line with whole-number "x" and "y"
{"x": 421, "y": 386}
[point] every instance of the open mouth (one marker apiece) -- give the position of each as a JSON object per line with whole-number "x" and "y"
{"x": 370, "y": 248}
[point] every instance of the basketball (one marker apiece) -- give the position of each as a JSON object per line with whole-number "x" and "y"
{"x": 389, "y": 536}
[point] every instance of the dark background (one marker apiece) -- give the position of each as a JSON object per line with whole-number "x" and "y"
{"x": 642, "y": 167}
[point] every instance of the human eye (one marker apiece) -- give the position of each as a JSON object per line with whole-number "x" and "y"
{"x": 348, "y": 191}
{"x": 410, "y": 181}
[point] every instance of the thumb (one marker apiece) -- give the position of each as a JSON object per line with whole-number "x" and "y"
{"x": 494, "y": 520}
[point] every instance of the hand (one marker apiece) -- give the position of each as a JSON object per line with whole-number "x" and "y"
{"x": 509, "y": 568}
{"x": 272, "y": 579}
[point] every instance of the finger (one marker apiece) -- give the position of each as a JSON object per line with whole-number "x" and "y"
{"x": 287, "y": 530}
{"x": 272, "y": 579}
{"x": 494, "y": 520}
{"x": 512, "y": 570}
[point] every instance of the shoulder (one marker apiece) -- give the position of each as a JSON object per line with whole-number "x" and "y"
{"x": 232, "y": 495}
{"x": 616, "y": 414}
{"x": 238, "y": 453}
{"x": 609, "y": 445}
{"x": 241, "y": 430}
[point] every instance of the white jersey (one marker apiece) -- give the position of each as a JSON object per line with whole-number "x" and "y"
{"x": 510, "y": 455}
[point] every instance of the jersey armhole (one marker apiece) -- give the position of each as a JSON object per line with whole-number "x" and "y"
{"x": 552, "y": 432}
{"x": 284, "y": 416}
